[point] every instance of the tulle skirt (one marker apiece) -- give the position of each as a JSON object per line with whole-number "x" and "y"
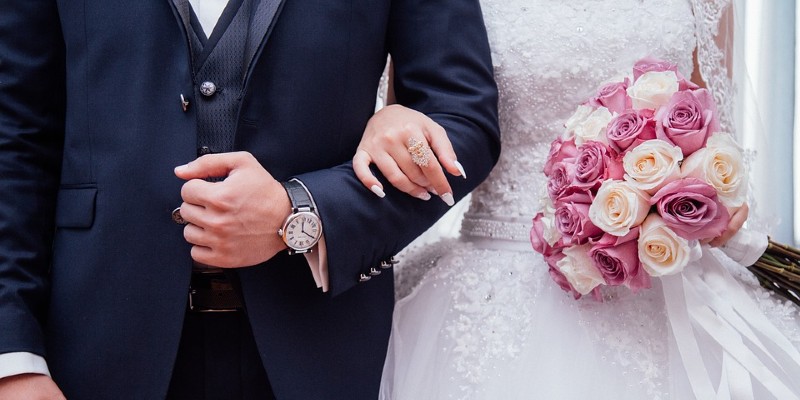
{"x": 484, "y": 321}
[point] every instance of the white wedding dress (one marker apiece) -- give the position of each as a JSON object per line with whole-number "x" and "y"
{"x": 478, "y": 316}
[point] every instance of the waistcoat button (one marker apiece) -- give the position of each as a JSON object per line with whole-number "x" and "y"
{"x": 208, "y": 88}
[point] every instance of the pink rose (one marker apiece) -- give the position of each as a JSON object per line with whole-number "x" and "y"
{"x": 594, "y": 164}
{"x": 560, "y": 150}
{"x": 649, "y": 64}
{"x": 692, "y": 209}
{"x": 538, "y": 239}
{"x": 617, "y": 259}
{"x": 613, "y": 96}
{"x": 630, "y": 129}
{"x": 687, "y": 120}
{"x": 560, "y": 180}
{"x": 572, "y": 219}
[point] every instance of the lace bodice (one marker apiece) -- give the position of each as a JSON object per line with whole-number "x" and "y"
{"x": 549, "y": 56}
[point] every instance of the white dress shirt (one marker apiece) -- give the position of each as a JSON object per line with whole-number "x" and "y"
{"x": 208, "y": 13}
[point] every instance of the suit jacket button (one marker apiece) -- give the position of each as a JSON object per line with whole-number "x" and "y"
{"x": 363, "y": 278}
{"x": 208, "y": 88}
{"x": 374, "y": 271}
{"x": 177, "y": 217}
{"x": 389, "y": 263}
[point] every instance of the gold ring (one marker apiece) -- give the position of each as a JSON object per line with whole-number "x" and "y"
{"x": 420, "y": 152}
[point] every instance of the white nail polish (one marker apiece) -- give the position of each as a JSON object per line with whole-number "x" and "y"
{"x": 448, "y": 199}
{"x": 460, "y": 169}
{"x": 424, "y": 196}
{"x": 378, "y": 191}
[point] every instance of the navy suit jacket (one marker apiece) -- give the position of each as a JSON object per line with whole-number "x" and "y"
{"x": 93, "y": 271}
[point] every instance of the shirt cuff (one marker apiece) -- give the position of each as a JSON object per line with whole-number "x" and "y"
{"x": 22, "y": 363}
{"x": 318, "y": 261}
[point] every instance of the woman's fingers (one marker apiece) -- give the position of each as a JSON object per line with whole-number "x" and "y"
{"x": 443, "y": 148}
{"x": 734, "y": 224}
{"x": 425, "y": 160}
{"x": 395, "y": 175}
{"x": 361, "y": 162}
{"x": 411, "y": 150}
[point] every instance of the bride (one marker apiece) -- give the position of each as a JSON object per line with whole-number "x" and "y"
{"x": 478, "y": 316}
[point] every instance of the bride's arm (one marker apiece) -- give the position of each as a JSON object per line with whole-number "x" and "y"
{"x": 713, "y": 69}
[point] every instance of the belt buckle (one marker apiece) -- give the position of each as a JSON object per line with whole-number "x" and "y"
{"x": 199, "y": 309}
{"x": 215, "y": 289}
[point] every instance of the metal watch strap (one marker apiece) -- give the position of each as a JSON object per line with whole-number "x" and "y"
{"x": 299, "y": 196}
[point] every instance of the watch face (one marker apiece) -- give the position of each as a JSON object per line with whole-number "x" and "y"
{"x": 302, "y": 231}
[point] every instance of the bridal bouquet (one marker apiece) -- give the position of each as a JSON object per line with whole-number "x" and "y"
{"x": 640, "y": 178}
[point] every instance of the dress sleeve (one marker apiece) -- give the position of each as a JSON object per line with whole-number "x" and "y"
{"x": 714, "y": 33}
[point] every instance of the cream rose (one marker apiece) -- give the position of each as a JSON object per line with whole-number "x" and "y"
{"x": 593, "y": 127}
{"x": 550, "y": 232}
{"x": 661, "y": 251}
{"x": 618, "y": 207}
{"x": 653, "y": 89}
{"x": 652, "y": 164}
{"x": 579, "y": 270}
{"x": 577, "y": 118}
{"x": 720, "y": 164}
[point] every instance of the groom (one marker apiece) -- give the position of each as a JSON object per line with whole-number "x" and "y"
{"x": 122, "y": 276}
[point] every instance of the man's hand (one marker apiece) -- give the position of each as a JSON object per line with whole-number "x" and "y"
{"x": 232, "y": 223}
{"x": 29, "y": 387}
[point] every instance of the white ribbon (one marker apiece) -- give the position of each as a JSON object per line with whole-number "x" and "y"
{"x": 705, "y": 299}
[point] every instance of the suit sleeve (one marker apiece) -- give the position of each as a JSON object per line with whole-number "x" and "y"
{"x": 442, "y": 68}
{"x": 32, "y": 90}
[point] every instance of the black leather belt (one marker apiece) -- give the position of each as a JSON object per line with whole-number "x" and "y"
{"x": 214, "y": 291}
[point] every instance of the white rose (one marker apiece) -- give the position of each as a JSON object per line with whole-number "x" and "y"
{"x": 550, "y": 232}
{"x": 579, "y": 269}
{"x": 721, "y": 165}
{"x": 618, "y": 207}
{"x": 580, "y": 115}
{"x": 652, "y": 164}
{"x": 661, "y": 251}
{"x": 653, "y": 89}
{"x": 593, "y": 127}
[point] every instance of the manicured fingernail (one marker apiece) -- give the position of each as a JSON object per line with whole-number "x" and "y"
{"x": 378, "y": 191}
{"x": 424, "y": 196}
{"x": 460, "y": 169}
{"x": 181, "y": 168}
{"x": 432, "y": 190}
{"x": 448, "y": 199}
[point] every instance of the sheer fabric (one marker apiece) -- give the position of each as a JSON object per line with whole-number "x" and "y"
{"x": 478, "y": 316}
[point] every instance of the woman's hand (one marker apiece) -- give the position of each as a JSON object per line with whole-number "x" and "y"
{"x": 734, "y": 224}
{"x": 397, "y": 140}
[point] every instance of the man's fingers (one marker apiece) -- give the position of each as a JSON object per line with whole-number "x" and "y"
{"x": 361, "y": 162}
{"x": 212, "y": 165}
{"x": 192, "y": 214}
{"x": 204, "y": 255}
{"x": 196, "y": 235}
{"x": 196, "y": 191}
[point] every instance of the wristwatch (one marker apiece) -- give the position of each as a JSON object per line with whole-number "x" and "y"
{"x": 303, "y": 228}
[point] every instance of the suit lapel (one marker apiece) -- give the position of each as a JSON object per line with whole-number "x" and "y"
{"x": 265, "y": 14}
{"x": 183, "y": 17}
